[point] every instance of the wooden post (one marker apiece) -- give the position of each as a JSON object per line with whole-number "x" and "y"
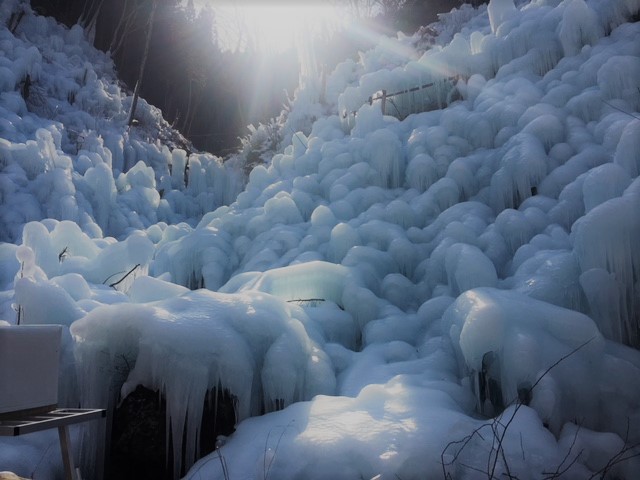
{"x": 383, "y": 105}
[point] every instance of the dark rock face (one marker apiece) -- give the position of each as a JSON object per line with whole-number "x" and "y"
{"x": 138, "y": 438}
{"x": 139, "y": 433}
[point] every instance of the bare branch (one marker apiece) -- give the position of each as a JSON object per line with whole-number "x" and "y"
{"x": 555, "y": 364}
{"x": 620, "y": 456}
{"x": 62, "y": 255}
{"x": 558, "y": 472}
{"x": 497, "y": 450}
{"x": 112, "y": 285}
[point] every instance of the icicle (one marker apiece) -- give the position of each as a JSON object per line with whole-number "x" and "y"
{"x": 607, "y": 238}
{"x": 579, "y": 27}
{"x": 627, "y": 153}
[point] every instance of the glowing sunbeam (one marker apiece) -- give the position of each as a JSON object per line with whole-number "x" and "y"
{"x": 273, "y": 27}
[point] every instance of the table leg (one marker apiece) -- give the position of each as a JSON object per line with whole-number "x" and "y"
{"x": 67, "y": 453}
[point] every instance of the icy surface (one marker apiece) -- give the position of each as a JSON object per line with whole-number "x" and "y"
{"x": 255, "y": 346}
{"x": 383, "y": 286}
{"x": 65, "y": 148}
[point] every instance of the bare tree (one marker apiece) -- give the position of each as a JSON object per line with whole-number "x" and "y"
{"x": 143, "y": 64}
{"x": 358, "y": 8}
{"x": 390, "y": 7}
{"x": 125, "y": 23}
{"x": 89, "y": 15}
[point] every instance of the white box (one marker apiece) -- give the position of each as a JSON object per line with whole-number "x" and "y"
{"x": 29, "y": 359}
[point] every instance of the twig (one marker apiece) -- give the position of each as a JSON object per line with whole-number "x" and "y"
{"x": 475, "y": 469}
{"x": 498, "y": 437}
{"x": 20, "y": 310}
{"x": 501, "y": 440}
{"x": 394, "y": 106}
{"x": 209, "y": 459}
{"x": 223, "y": 463}
{"x": 620, "y": 110}
{"x": 579, "y": 347}
{"x": 619, "y": 457}
{"x": 558, "y": 473}
{"x": 267, "y": 468}
{"x": 465, "y": 441}
{"x": 502, "y": 454}
{"x": 112, "y": 285}
{"x": 518, "y": 405}
{"x": 111, "y": 276}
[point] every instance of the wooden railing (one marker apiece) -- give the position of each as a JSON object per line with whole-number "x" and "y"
{"x": 386, "y": 98}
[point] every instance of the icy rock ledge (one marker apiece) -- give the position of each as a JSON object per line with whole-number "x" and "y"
{"x": 252, "y": 344}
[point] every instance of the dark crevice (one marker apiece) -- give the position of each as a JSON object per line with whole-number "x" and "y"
{"x": 139, "y": 440}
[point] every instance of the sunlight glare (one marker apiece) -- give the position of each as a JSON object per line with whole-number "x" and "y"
{"x": 275, "y": 27}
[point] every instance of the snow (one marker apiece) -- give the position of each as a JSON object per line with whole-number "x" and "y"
{"x": 376, "y": 291}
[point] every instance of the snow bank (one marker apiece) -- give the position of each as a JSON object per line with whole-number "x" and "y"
{"x": 552, "y": 354}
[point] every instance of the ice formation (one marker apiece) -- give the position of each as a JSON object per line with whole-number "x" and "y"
{"x": 67, "y": 152}
{"x": 254, "y": 346}
{"x": 380, "y": 289}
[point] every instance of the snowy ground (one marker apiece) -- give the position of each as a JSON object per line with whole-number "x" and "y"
{"x": 485, "y": 250}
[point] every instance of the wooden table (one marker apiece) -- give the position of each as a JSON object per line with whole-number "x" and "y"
{"x": 59, "y": 418}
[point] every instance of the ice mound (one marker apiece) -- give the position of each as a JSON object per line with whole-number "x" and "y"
{"x": 516, "y": 349}
{"x": 254, "y": 345}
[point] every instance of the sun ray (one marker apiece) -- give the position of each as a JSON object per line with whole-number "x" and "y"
{"x": 274, "y": 27}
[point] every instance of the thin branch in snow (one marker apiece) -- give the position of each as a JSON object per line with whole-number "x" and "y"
{"x": 620, "y": 110}
{"x": 112, "y": 285}
{"x": 497, "y": 450}
{"x": 633, "y": 450}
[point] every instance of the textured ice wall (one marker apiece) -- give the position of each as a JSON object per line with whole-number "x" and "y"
{"x": 255, "y": 346}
